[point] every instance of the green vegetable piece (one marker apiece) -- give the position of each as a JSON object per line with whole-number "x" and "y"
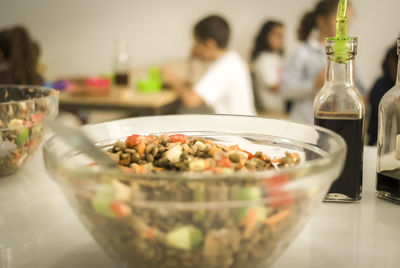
{"x": 102, "y": 200}
{"x": 200, "y": 193}
{"x": 36, "y": 129}
{"x": 185, "y": 237}
{"x": 247, "y": 193}
{"x": 22, "y": 137}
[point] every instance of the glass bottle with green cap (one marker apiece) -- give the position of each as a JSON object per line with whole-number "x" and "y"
{"x": 339, "y": 106}
{"x": 388, "y": 166}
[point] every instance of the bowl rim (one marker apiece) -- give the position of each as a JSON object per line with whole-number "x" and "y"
{"x": 315, "y": 165}
{"x": 53, "y": 93}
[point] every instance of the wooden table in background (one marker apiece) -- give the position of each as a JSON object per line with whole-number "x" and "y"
{"x": 127, "y": 100}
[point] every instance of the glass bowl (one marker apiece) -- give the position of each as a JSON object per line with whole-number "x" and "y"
{"x": 173, "y": 219}
{"x": 22, "y": 109}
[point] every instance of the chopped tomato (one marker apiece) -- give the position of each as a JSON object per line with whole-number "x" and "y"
{"x": 224, "y": 162}
{"x": 120, "y": 210}
{"x": 279, "y": 197}
{"x": 37, "y": 117}
{"x": 178, "y": 138}
{"x": 134, "y": 140}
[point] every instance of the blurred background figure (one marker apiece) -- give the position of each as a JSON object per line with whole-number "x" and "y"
{"x": 19, "y": 57}
{"x": 304, "y": 73}
{"x": 226, "y": 85}
{"x": 267, "y": 62}
{"x": 381, "y": 86}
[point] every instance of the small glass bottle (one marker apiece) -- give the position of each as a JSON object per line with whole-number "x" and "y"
{"x": 388, "y": 166}
{"x": 121, "y": 63}
{"x": 339, "y": 106}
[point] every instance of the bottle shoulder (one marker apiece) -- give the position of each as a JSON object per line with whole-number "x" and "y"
{"x": 392, "y": 96}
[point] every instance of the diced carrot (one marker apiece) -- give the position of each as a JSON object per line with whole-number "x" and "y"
{"x": 249, "y": 155}
{"x": 140, "y": 169}
{"x": 149, "y": 233}
{"x": 224, "y": 162}
{"x": 276, "y": 161}
{"x": 250, "y": 223}
{"x": 120, "y": 210}
{"x": 213, "y": 150}
{"x": 31, "y": 144}
{"x": 233, "y": 147}
{"x": 141, "y": 148}
{"x": 92, "y": 164}
{"x": 275, "y": 219}
{"x": 265, "y": 157}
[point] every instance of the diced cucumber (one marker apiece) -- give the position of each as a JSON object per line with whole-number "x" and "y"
{"x": 185, "y": 237}
{"x": 22, "y": 137}
{"x": 102, "y": 200}
{"x": 197, "y": 165}
{"x": 247, "y": 193}
{"x": 199, "y": 194}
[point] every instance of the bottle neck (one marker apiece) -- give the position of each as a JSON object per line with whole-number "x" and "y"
{"x": 342, "y": 73}
{"x": 398, "y": 71}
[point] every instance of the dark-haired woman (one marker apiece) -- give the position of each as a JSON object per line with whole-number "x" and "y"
{"x": 267, "y": 59}
{"x": 304, "y": 73}
{"x": 19, "y": 56}
{"x": 381, "y": 86}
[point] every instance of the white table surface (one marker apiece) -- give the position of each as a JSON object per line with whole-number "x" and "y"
{"x": 39, "y": 229}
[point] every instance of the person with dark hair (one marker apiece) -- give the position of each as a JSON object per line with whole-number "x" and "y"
{"x": 226, "y": 85}
{"x": 19, "y": 56}
{"x": 381, "y": 86}
{"x": 304, "y": 73}
{"x": 267, "y": 59}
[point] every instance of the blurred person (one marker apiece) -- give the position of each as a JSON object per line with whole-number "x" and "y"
{"x": 226, "y": 85}
{"x": 19, "y": 56}
{"x": 304, "y": 73}
{"x": 381, "y": 86}
{"x": 267, "y": 60}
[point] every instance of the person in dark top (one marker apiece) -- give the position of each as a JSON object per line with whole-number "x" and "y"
{"x": 381, "y": 86}
{"x": 19, "y": 56}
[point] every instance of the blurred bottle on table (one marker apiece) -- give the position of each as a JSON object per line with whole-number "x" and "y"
{"x": 121, "y": 63}
{"x": 388, "y": 167}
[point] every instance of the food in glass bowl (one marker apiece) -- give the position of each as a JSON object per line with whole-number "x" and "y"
{"x": 22, "y": 110}
{"x": 235, "y": 203}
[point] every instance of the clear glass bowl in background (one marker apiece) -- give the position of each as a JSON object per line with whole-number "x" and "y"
{"x": 22, "y": 110}
{"x": 199, "y": 220}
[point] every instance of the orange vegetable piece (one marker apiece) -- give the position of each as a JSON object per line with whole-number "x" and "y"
{"x": 250, "y": 222}
{"x": 149, "y": 233}
{"x": 141, "y": 148}
{"x": 120, "y": 210}
{"x": 275, "y": 219}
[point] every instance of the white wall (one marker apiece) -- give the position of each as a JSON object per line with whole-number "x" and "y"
{"x": 77, "y": 36}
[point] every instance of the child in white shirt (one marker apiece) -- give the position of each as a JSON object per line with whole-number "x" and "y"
{"x": 226, "y": 85}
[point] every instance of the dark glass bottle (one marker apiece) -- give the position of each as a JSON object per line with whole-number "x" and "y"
{"x": 388, "y": 166}
{"x": 121, "y": 63}
{"x": 339, "y": 106}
